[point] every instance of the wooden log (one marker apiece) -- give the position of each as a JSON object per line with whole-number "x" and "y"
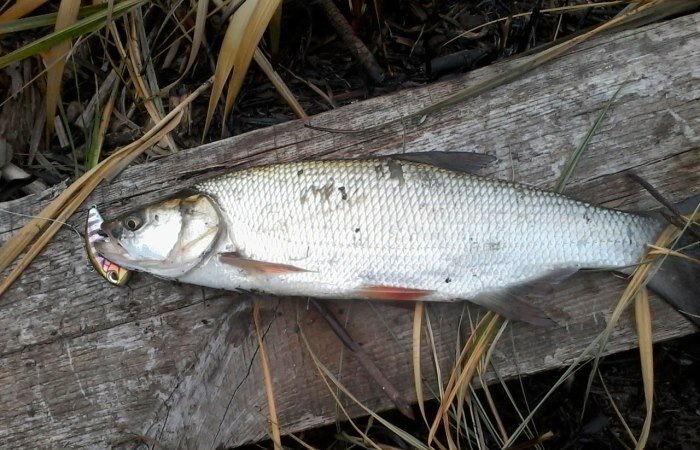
{"x": 88, "y": 365}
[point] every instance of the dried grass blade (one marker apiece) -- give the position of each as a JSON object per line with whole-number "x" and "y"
{"x": 224, "y": 66}
{"x": 646, "y": 355}
{"x": 487, "y": 391}
{"x": 200, "y": 23}
{"x": 142, "y": 74}
{"x": 101, "y": 120}
{"x": 267, "y": 379}
{"x": 55, "y": 60}
{"x": 418, "y": 311}
{"x": 656, "y": 250}
{"x": 279, "y": 84}
{"x": 20, "y": 9}
{"x": 250, "y": 34}
{"x": 636, "y": 282}
{"x": 476, "y": 347}
{"x": 300, "y": 442}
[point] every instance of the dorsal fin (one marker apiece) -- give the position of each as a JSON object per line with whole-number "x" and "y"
{"x": 466, "y": 162}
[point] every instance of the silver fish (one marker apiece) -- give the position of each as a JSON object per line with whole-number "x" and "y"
{"x": 376, "y": 229}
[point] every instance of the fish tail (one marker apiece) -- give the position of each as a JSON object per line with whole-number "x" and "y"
{"x": 677, "y": 280}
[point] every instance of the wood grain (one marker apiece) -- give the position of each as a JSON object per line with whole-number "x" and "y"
{"x": 83, "y": 364}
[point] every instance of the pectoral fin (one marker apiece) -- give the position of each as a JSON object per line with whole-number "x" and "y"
{"x": 255, "y": 266}
{"x": 392, "y": 293}
{"x": 515, "y": 302}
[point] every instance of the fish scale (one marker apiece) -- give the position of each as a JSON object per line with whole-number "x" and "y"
{"x": 384, "y": 222}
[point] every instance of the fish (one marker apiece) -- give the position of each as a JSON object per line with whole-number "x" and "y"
{"x": 110, "y": 271}
{"x": 390, "y": 228}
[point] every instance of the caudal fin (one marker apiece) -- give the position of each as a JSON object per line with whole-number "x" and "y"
{"x": 678, "y": 282}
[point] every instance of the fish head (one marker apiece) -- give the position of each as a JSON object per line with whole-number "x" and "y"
{"x": 166, "y": 239}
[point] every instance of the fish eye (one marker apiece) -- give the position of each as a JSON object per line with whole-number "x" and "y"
{"x": 132, "y": 223}
{"x": 113, "y": 276}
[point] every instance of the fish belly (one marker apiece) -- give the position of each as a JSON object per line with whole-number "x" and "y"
{"x": 352, "y": 224}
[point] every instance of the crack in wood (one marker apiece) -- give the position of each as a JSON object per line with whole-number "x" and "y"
{"x": 245, "y": 378}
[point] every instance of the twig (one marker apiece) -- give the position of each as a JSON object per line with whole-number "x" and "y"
{"x": 354, "y": 44}
{"x": 364, "y": 359}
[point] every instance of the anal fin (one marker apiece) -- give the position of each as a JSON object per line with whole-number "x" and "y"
{"x": 515, "y": 302}
{"x": 255, "y": 266}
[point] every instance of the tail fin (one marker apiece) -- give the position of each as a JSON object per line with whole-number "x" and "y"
{"x": 678, "y": 280}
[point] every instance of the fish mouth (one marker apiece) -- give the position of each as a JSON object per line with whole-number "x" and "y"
{"x": 112, "y": 250}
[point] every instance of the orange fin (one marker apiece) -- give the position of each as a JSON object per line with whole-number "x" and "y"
{"x": 252, "y": 265}
{"x": 392, "y": 293}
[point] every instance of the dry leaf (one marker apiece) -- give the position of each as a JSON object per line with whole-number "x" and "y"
{"x": 55, "y": 60}
{"x": 245, "y": 30}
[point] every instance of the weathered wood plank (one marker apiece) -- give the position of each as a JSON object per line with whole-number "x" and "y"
{"x": 83, "y": 364}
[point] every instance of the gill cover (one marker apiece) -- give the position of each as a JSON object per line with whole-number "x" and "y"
{"x": 167, "y": 239}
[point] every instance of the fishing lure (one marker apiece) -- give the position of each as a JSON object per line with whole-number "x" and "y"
{"x": 110, "y": 271}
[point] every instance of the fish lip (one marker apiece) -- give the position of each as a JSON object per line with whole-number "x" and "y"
{"x": 110, "y": 249}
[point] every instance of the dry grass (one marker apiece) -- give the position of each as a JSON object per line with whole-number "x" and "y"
{"x": 267, "y": 379}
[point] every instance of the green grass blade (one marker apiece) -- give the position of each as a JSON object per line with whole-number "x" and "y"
{"x": 576, "y": 157}
{"x": 45, "y": 20}
{"x": 86, "y": 25}
{"x": 92, "y": 156}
